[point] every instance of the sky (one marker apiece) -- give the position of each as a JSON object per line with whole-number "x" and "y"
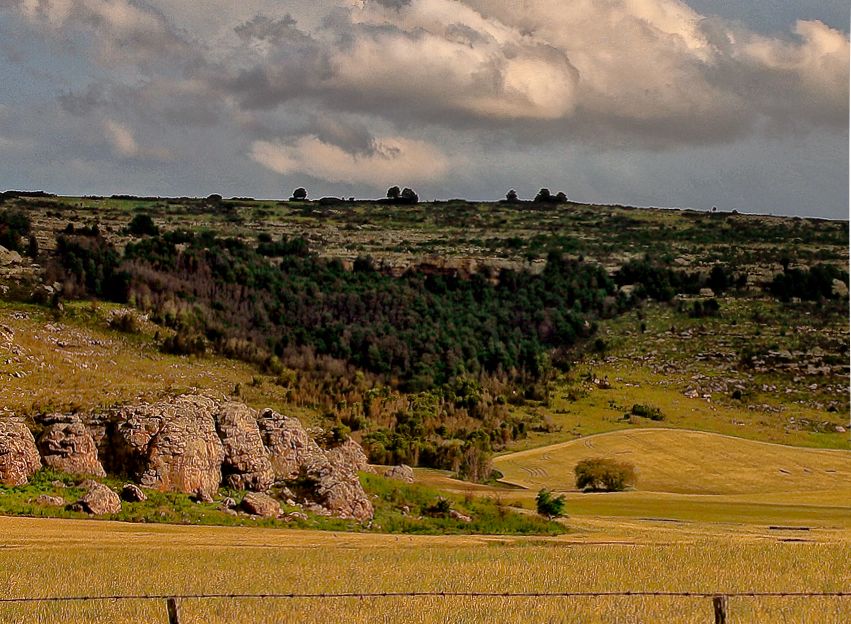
{"x": 697, "y": 103}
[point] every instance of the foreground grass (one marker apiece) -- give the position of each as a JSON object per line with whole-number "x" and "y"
{"x": 66, "y": 557}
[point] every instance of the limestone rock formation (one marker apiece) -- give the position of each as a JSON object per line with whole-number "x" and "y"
{"x": 336, "y": 489}
{"x": 350, "y": 454}
{"x": 98, "y": 499}
{"x": 246, "y": 463}
{"x": 401, "y": 472}
{"x": 259, "y": 504}
{"x": 67, "y": 446}
{"x": 132, "y": 493}
{"x": 288, "y": 444}
{"x": 170, "y": 445}
{"x": 19, "y": 458}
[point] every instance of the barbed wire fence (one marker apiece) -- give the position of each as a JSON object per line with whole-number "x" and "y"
{"x": 719, "y": 599}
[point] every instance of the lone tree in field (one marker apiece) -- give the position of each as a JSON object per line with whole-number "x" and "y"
{"x": 300, "y": 194}
{"x": 549, "y": 505}
{"x": 601, "y": 474}
{"x": 409, "y": 196}
{"x": 394, "y": 192}
{"x": 511, "y": 196}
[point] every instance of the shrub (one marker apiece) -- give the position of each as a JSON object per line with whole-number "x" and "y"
{"x": 143, "y": 225}
{"x": 549, "y": 505}
{"x": 604, "y": 475}
{"x": 126, "y": 321}
{"x": 14, "y": 224}
{"x": 647, "y": 411}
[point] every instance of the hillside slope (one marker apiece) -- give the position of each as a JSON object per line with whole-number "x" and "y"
{"x": 685, "y": 462}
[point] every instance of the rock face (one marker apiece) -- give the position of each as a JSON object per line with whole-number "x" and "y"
{"x": 132, "y": 493}
{"x": 67, "y": 446}
{"x": 336, "y": 489}
{"x": 171, "y": 446}
{"x": 246, "y": 463}
{"x": 401, "y": 472}
{"x": 288, "y": 444}
{"x": 19, "y": 458}
{"x": 99, "y": 500}
{"x": 260, "y": 504}
{"x": 350, "y": 454}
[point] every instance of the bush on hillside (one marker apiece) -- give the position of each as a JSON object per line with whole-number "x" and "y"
{"x": 549, "y": 505}
{"x": 601, "y": 474}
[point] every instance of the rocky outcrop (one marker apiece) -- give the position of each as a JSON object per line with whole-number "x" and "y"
{"x": 401, "y": 472}
{"x": 170, "y": 445}
{"x": 288, "y": 444}
{"x": 336, "y": 489}
{"x": 98, "y": 500}
{"x": 67, "y": 446}
{"x": 350, "y": 455}
{"x": 132, "y": 493}
{"x": 246, "y": 463}
{"x": 19, "y": 458}
{"x": 259, "y": 504}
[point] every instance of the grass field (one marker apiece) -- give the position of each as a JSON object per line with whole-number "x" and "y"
{"x": 66, "y": 557}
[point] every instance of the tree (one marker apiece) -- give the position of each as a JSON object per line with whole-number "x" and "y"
{"x": 543, "y": 196}
{"x": 549, "y": 505}
{"x": 561, "y": 197}
{"x": 300, "y": 194}
{"x": 410, "y": 196}
{"x": 393, "y": 192}
{"x": 143, "y": 225}
{"x": 600, "y": 474}
{"x": 511, "y": 195}
{"x": 32, "y": 247}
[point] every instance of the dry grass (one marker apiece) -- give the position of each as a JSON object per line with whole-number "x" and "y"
{"x": 685, "y": 462}
{"x": 41, "y": 557}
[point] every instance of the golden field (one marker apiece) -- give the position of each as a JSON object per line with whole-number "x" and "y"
{"x": 68, "y": 557}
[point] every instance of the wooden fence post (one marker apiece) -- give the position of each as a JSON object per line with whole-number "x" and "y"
{"x": 719, "y": 603}
{"x": 173, "y": 611}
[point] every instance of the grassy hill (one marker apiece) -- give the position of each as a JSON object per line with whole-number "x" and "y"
{"x": 685, "y": 462}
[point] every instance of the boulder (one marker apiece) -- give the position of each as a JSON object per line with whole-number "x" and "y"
{"x": 246, "y": 463}
{"x": 98, "y": 499}
{"x": 457, "y": 515}
{"x": 401, "y": 472}
{"x": 67, "y": 446}
{"x": 288, "y": 444}
{"x": 50, "y": 501}
{"x": 169, "y": 445}
{"x": 132, "y": 493}
{"x": 350, "y": 454}
{"x": 19, "y": 458}
{"x": 259, "y": 504}
{"x": 336, "y": 489}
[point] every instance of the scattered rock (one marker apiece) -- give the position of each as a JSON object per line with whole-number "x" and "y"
{"x": 401, "y": 472}
{"x": 99, "y": 499}
{"x": 457, "y": 515}
{"x": 132, "y": 493}
{"x": 246, "y": 463}
{"x": 50, "y": 501}
{"x": 19, "y": 458}
{"x": 67, "y": 446}
{"x": 259, "y": 504}
{"x": 295, "y": 515}
{"x": 202, "y": 496}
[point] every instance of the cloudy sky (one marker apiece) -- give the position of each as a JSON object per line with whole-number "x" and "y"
{"x": 697, "y": 103}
